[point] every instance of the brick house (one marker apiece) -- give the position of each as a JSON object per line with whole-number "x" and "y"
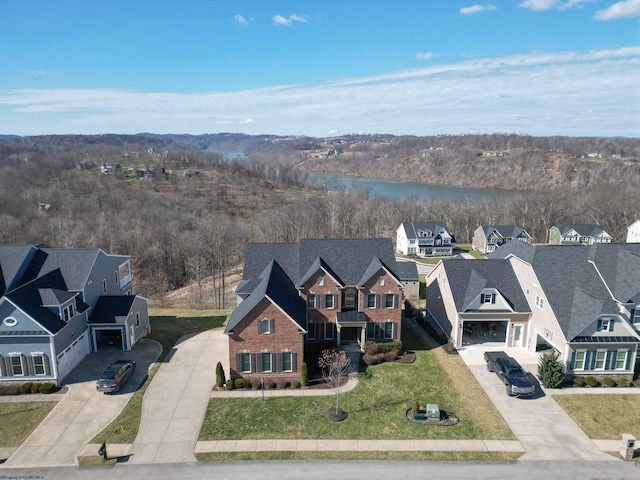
{"x": 316, "y": 291}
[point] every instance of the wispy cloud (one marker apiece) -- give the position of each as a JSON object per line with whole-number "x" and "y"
{"x": 623, "y": 9}
{"x": 537, "y": 94}
{"x": 424, "y": 55}
{"x": 280, "y": 20}
{"x": 541, "y": 5}
{"x": 476, "y": 9}
{"x": 241, "y": 20}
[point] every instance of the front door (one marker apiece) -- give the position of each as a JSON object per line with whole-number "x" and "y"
{"x": 517, "y": 335}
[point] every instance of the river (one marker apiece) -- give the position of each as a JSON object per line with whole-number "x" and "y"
{"x": 400, "y": 189}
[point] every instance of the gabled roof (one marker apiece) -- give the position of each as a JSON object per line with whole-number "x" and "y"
{"x": 273, "y": 284}
{"x": 411, "y": 228}
{"x": 582, "y": 229}
{"x": 318, "y": 264}
{"x": 52, "y": 297}
{"x": 12, "y": 257}
{"x": 407, "y": 270}
{"x": 505, "y": 231}
{"x": 521, "y": 250}
{"x": 375, "y": 266}
{"x": 469, "y": 278}
{"x": 619, "y": 265}
{"x": 74, "y": 264}
{"x": 111, "y": 306}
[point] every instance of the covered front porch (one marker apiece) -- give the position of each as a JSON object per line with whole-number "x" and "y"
{"x": 351, "y": 328}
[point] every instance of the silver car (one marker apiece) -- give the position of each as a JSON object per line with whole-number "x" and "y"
{"x": 115, "y": 375}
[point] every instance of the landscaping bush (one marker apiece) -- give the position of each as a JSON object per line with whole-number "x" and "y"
{"x": 390, "y": 356}
{"x": 304, "y": 375}
{"x": 591, "y": 381}
{"x": 256, "y": 383}
{"x": 230, "y": 384}
{"x": 372, "y": 348}
{"x": 25, "y": 388}
{"x": 282, "y": 383}
{"x": 9, "y": 389}
{"x": 608, "y": 382}
{"x": 550, "y": 371}
{"x": 269, "y": 384}
{"x": 220, "y": 377}
{"x": 578, "y": 381}
{"x": 624, "y": 382}
{"x": 294, "y": 384}
{"x": 35, "y": 387}
{"x": 415, "y": 407}
{"x": 241, "y": 383}
{"x": 46, "y": 388}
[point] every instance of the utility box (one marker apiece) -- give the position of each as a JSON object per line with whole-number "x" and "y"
{"x": 433, "y": 412}
{"x": 628, "y": 447}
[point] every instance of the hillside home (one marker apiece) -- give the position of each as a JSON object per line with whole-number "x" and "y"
{"x": 424, "y": 239}
{"x": 315, "y": 292}
{"x": 633, "y": 232}
{"x": 582, "y": 302}
{"x": 486, "y": 238}
{"x": 578, "y": 234}
{"x": 57, "y": 305}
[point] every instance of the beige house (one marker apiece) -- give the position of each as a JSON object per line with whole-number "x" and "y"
{"x": 582, "y": 302}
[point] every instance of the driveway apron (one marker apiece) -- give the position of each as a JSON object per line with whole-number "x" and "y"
{"x": 175, "y": 402}
{"x": 543, "y": 428}
{"x": 83, "y": 412}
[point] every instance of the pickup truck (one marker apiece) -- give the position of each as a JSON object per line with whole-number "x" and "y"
{"x": 518, "y": 381}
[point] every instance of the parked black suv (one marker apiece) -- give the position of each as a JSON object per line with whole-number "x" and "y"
{"x": 115, "y": 375}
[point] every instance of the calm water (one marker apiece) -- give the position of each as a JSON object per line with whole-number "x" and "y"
{"x": 399, "y": 189}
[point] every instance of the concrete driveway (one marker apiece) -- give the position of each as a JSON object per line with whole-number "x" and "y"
{"x": 83, "y": 412}
{"x": 543, "y": 428}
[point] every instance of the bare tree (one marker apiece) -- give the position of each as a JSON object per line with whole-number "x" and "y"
{"x": 335, "y": 367}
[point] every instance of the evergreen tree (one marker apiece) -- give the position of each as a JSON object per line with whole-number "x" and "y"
{"x": 220, "y": 377}
{"x": 550, "y": 371}
{"x": 304, "y": 376}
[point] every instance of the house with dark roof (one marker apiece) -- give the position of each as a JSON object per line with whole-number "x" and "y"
{"x": 582, "y": 302}
{"x": 57, "y": 305}
{"x": 486, "y": 238}
{"x": 578, "y": 234}
{"x": 408, "y": 274}
{"x": 424, "y": 239}
{"x": 313, "y": 292}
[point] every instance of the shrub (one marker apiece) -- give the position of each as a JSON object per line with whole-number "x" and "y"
{"x": 416, "y": 407}
{"x": 390, "y": 356}
{"x": 550, "y": 371}
{"x": 46, "y": 388}
{"x": 230, "y": 384}
{"x": 304, "y": 375}
{"x": 35, "y": 387}
{"x": 269, "y": 384}
{"x": 26, "y": 388}
{"x": 624, "y": 382}
{"x": 591, "y": 381}
{"x": 294, "y": 384}
{"x": 256, "y": 383}
{"x": 578, "y": 381}
{"x": 241, "y": 383}
{"x": 608, "y": 382}
{"x": 281, "y": 383}
{"x": 220, "y": 377}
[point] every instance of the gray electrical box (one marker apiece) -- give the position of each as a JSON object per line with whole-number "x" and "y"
{"x": 433, "y": 412}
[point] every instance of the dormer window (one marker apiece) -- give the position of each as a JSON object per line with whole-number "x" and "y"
{"x": 488, "y": 298}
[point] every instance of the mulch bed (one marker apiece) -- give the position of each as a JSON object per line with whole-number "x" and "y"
{"x": 406, "y": 357}
{"x": 337, "y": 415}
{"x": 447, "y": 419}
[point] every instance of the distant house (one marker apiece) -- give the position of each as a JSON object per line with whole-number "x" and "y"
{"x": 310, "y": 294}
{"x": 633, "y": 232}
{"x": 108, "y": 168}
{"x": 57, "y": 305}
{"x": 424, "y": 239}
{"x": 582, "y": 302}
{"x": 578, "y": 234}
{"x": 486, "y": 238}
{"x": 408, "y": 274}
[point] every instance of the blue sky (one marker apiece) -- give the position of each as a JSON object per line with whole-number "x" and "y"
{"x": 420, "y": 67}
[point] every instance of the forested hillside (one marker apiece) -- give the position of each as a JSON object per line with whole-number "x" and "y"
{"x": 184, "y": 211}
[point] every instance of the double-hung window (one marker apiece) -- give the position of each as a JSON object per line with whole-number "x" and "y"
{"x": 579, "y": 359}
{"x": 350, "y": 299}
{"x": 388, "y": 330}
{"x": 328, "y": 301}
{"x": 264, "y": 326}
{"x": 389, "y": 300}
{"x": 265, "y": 362}
{"x": 621, "y": 359}
{"x": 17, "y": 368}
{"x": 287, "y": 361}
{"x": 311, "y": 301}
{"x": 371, "y": 300}
{"x": 601, "y": 359}
{"x": 38, "y": 364}
{"x": 245, "y": 362}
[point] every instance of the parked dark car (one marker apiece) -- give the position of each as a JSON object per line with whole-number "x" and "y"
{"x": 115, "y": 375}
{"x": 518, "y": 382}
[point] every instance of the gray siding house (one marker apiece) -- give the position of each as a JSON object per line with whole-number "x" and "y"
{"x": 578, "y": 234}
{"x": 486, "y": 238}
{"x": 57, "y": 305}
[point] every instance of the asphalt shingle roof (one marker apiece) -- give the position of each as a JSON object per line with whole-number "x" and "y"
{"x": 11, "y": 259}
{"x": 407, "y": 270}
{"x": 111, "y": 306}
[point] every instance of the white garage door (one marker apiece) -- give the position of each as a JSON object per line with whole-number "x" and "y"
{"x": 72, "y": 355}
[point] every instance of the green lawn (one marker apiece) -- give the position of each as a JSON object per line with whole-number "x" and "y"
{"x": 376, "y": 407}
{"x": 603, "y": 416}
{"x": 19, "y": 419}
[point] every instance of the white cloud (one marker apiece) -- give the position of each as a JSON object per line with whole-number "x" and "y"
{"x": 623, "y": 9}
{"x": 537, "y": 94}
{"x": 241, "y": 20}
{"x": 424, "y": 55}
{"x": 538, "y": 5}
{"x": 476, "y": 9}
{"x": 280, "y": 20}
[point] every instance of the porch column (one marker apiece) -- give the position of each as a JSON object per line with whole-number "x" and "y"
{"x": 337, "y": 334}
{"x": 363, "y": 337}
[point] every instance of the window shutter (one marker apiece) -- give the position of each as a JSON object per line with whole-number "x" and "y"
{"x": 259, "y": 326}
{"x": 252, "y": 365}
{"x": 607, "y": 358}
{"x": 493, "y": 298}
{"x": 628, "y": 365}
{"x": 294, "y": 362}
{"x": 272, "y": 325}
{"x": 3, "y": 371}
{"x": 614, "y": 359}
{"x": 587, "y": 357}
{"x": 611, "y": 325}
{"x": 274, "y": 363}
{"x": 25, "y": 367}
{"x": 9, "y": 367}
{"x": 573, "y": 360}
{"x": 280, "y": 361}
{"x": 238, "y": 362}
{"x": 31, "y": 370}
{"x": 47, "y": 366}
{"x": 378, "y": 302}
{"x": 599, "y": 328}
{"x": 594, "y": 355}
{"x": 395, "y": 300}
{"x": 394, "y": 331}
{"x": 259, "y": 363}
